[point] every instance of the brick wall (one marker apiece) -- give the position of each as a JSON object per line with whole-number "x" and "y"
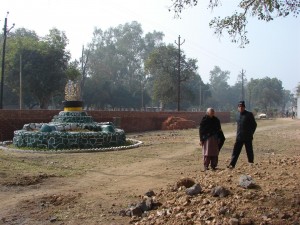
{"x": 132, "y": 121}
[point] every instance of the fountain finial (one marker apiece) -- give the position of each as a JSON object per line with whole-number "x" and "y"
{"x": 72, "y": 91}
{"x": 73, "y": 96}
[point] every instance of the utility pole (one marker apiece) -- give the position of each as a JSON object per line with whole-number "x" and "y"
{"x": 84, "y": 60}
{"x": 200, "y": 97}
{"x": 21, "y": 96}
{"x": 3, "y": 62}
{"x": 243, "y": 91}
{"x": 5, "y": 31}
{"x": 178, "y": 78}
{"x": 142, "y": 99}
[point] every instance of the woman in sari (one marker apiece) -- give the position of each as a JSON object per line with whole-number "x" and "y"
{"x": 211, "y": 139}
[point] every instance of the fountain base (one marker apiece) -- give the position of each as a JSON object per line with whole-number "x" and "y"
{"x": 69, "y": 130}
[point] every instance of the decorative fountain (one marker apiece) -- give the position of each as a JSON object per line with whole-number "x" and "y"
{"x": 71, "y": 129}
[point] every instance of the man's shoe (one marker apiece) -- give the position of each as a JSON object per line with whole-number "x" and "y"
{"x": 230, "y": 167}
{"x": 251, "y": 165}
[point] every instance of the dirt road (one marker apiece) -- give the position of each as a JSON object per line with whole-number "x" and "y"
{"x": 91, "y": 188}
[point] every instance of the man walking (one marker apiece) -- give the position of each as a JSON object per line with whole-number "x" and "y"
{"x": 246, "y": 127}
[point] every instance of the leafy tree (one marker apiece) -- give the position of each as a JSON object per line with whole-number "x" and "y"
{"x": 44, "y": 62}
{"x": 93, "y": 91}
{"x": 84, "y": 67}
{"x": 17, "y": 41}
{"x": 73, "y": 72}
{"x": 152, "y": 41}
{"x": 116, "y": 63}
{"x": 234, "y": 95}
{"x": 236, "y": 24}
{"x": 267, "y": 93}
{"x": 204, "y": 95}
{"x": 287, "y": 99}
{"x": 298, "y": 89}
{"x": 219, "y": 88}
{"x": 10, "y": 97}
{"x": 250, "y": 91}
{"x": 162, "y": 67}
{"x": 194, "y": 92}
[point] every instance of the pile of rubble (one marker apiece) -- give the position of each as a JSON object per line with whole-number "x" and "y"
{"x": 240, "y": 201}
{"x": 178, "y": 123}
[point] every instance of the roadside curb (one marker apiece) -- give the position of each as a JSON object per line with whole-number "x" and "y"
{"x": 136, "y": 144}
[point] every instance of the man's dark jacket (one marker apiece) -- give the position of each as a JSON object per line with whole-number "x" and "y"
{"x": 246, "y": 126}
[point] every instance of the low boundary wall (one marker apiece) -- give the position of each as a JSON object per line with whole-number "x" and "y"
{"x": 130, "y": 121}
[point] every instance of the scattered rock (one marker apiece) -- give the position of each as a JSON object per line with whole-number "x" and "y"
{"x": 205, "y": 202}
{"x": 194, "y": 190}
{"x": 141, "y": 209}
{"x": 53, "y": 219}
{"x": 190, "y": 215}
{"x": 186, "y": 182}
{"x": 178, "y": 209}
{"x": 146, "y": 204}
{"x": 223, "y": 210}
{"x": 296, "y": 200}
{"x": 122, "y": 213}
{"x": 219, "y": 191}
{"x": 150, "y": 193}
{"x": 246, "y": 221}
{"x": 136, "y": 211}
{"x": 246, "y": 181}
{"x": 234, "y": 221}
{"x": 284, "y": 216}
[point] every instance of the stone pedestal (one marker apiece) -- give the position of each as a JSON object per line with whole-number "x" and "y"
{"x": 73, "y": 106}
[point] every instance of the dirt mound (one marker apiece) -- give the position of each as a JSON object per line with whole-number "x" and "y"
{"x": 25, "y": 180}
{"x": 178, "y": 123}
{"x": 41, "y": 210}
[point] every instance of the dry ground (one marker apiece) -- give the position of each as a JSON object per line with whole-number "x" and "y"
{"x": 91, "y": 188}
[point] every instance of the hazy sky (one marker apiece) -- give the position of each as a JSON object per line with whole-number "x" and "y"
{"x": 274, "y": 48}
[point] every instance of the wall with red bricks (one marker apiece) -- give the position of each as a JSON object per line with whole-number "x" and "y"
{"x": 130, "y": 121}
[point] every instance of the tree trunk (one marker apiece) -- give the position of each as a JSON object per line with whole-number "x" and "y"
{"x": 44, "y": 103}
